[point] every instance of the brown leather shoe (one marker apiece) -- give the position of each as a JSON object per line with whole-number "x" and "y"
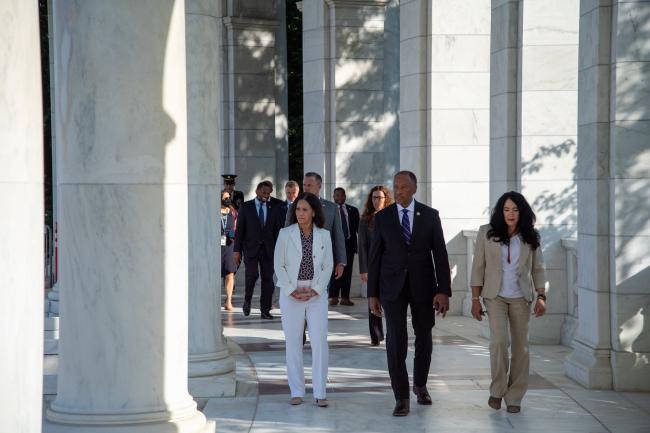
{"x": 422, "y": 394}
{"x": 494, "y": 403}
{"x": 513, "y": 409}
{"x": 334, "y": 301}
{"x": 402, "y": 407}
{"x": 346, "y": 301}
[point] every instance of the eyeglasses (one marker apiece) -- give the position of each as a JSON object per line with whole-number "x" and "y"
{"x": 378, "y": 197}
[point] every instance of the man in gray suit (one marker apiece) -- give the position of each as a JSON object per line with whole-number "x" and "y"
{"x": 312, "y": 183}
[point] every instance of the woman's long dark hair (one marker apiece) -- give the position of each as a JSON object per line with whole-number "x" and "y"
{"x": 525, "y": 225}
{"x": 369, "y": 208}
{"x": 316, "y": 206}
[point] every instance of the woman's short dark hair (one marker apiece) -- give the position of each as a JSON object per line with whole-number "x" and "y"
{"x": 316, "y": 206}
{"x": 525, "y": 225}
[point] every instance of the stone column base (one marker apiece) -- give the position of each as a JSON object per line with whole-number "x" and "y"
{"x": 631, "y": 371}
{"x": 127, "y": 423}
{"x": 212, "y": 375}
{"x": 589, "y": 367}
{"x": 224, "y": 385}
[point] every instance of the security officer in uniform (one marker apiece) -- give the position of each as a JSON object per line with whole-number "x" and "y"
{"x": 237, "y": 197}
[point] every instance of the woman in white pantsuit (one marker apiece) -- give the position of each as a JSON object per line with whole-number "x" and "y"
{"x": 303, "y": 265}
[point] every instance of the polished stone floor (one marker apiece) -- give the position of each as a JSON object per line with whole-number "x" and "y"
{"x": 361, "y": 399}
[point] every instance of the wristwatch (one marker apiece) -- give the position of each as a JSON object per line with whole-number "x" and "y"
{"x": 541, "y": 296}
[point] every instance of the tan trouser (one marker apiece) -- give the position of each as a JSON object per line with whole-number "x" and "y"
{"x": 516, "y": 312}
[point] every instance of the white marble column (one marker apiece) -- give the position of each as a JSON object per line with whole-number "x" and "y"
{"x": 350, "y": 57}
{"x": 533, "y": 130}
{"x": 211, "y": 368}
{"x": 249, "y": 97}
{"x": 547, "y": 141}
{"x": 21, "y": 238}
{"x": 611, "y": 346}
{"x": 123, "y": 233}
{"x": 444, "y": 117}
{"x": 504, "y": 102}
{"x": 281, "y": 101}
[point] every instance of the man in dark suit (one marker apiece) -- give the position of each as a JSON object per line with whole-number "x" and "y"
{"x": 350, "y": 226}
{"x": 408, "y": 266}
{"x": 236, "y": 197}
{"x": 258, "y": 225}
{"x": 291, "y": 191}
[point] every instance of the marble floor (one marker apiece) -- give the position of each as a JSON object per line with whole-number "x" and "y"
{"x": 361, "y": 399}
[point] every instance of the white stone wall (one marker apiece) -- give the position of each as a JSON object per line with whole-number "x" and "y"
{"x": 444, "y": 115}
{"x": 250, "y": 147}
{"x": 533, "y": 130}
{"x": 350, "y": 99}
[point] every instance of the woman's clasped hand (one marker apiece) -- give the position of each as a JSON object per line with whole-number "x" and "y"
{"x": 303, "y": 294}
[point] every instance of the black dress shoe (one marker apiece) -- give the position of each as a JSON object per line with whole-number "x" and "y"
{"x": 423, "y": 394}
{"x": 246, "y": 308}
{"x": 402, "y": 407}
{"x": 267, "y": 316}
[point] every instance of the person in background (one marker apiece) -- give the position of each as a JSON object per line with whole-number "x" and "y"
{"x": 378, "y": 198}
{"x": 291, "y": 191}
{"x": 312, "y": 183}
{"x": 237, "y": 197}
{"x": 303, "y": 264}
{"x": 228, "y": 225}
{"x": 508, "y": 272}
{"x": 350, "y": 225}
{"x": 258, "y": 226}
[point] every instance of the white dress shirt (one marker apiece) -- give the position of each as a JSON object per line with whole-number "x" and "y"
{"x": 410, "y": 211}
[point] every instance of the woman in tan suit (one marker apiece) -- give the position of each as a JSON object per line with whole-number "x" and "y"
{"x": 508, "y": 273}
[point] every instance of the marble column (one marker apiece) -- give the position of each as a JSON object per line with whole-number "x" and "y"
{"x": 21, "y": 194}
{"x": 350, "y": 70}
{"x": 123, "y": 182}
{"x": 281, "y": 101}
{"x": 612, "y": 343}
{"x": 444, "y": 117}
{"x": 504, "y": 79}
{"x": 547, "y": 141}
{"x": 211, "y": 368}
{"x": 249, "y": 96}
{"x": 533, "y": 130}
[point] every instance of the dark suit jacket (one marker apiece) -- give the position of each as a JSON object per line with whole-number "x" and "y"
{"x": 425, "y": 261}
{"x": 353, "y": 219}
{"x": 250, "y": 235}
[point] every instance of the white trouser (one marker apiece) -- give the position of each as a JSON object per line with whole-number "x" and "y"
{"x": 294, "y": 314}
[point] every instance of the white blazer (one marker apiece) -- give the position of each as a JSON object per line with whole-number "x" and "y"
{"x": 288, "y": 255}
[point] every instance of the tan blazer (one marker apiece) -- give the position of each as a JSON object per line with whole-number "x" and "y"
{"x": 487, "y": 269}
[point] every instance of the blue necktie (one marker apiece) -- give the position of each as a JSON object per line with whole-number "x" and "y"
{"x": 261, "y": 214}
{"x": 344, "y": 223}
{"x": 406, "y": 227}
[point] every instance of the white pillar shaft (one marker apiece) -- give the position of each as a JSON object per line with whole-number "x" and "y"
{"x": 250, "y": 96}
{"x": 613, "y": 186}
{"x": 21, "y": 219}
{"x": 415, "y": 153}
{"x": 210, "y": 364}
{"x": 123, "y": 232}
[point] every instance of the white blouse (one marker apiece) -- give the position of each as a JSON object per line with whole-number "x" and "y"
{"x": 510, "y": 265}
